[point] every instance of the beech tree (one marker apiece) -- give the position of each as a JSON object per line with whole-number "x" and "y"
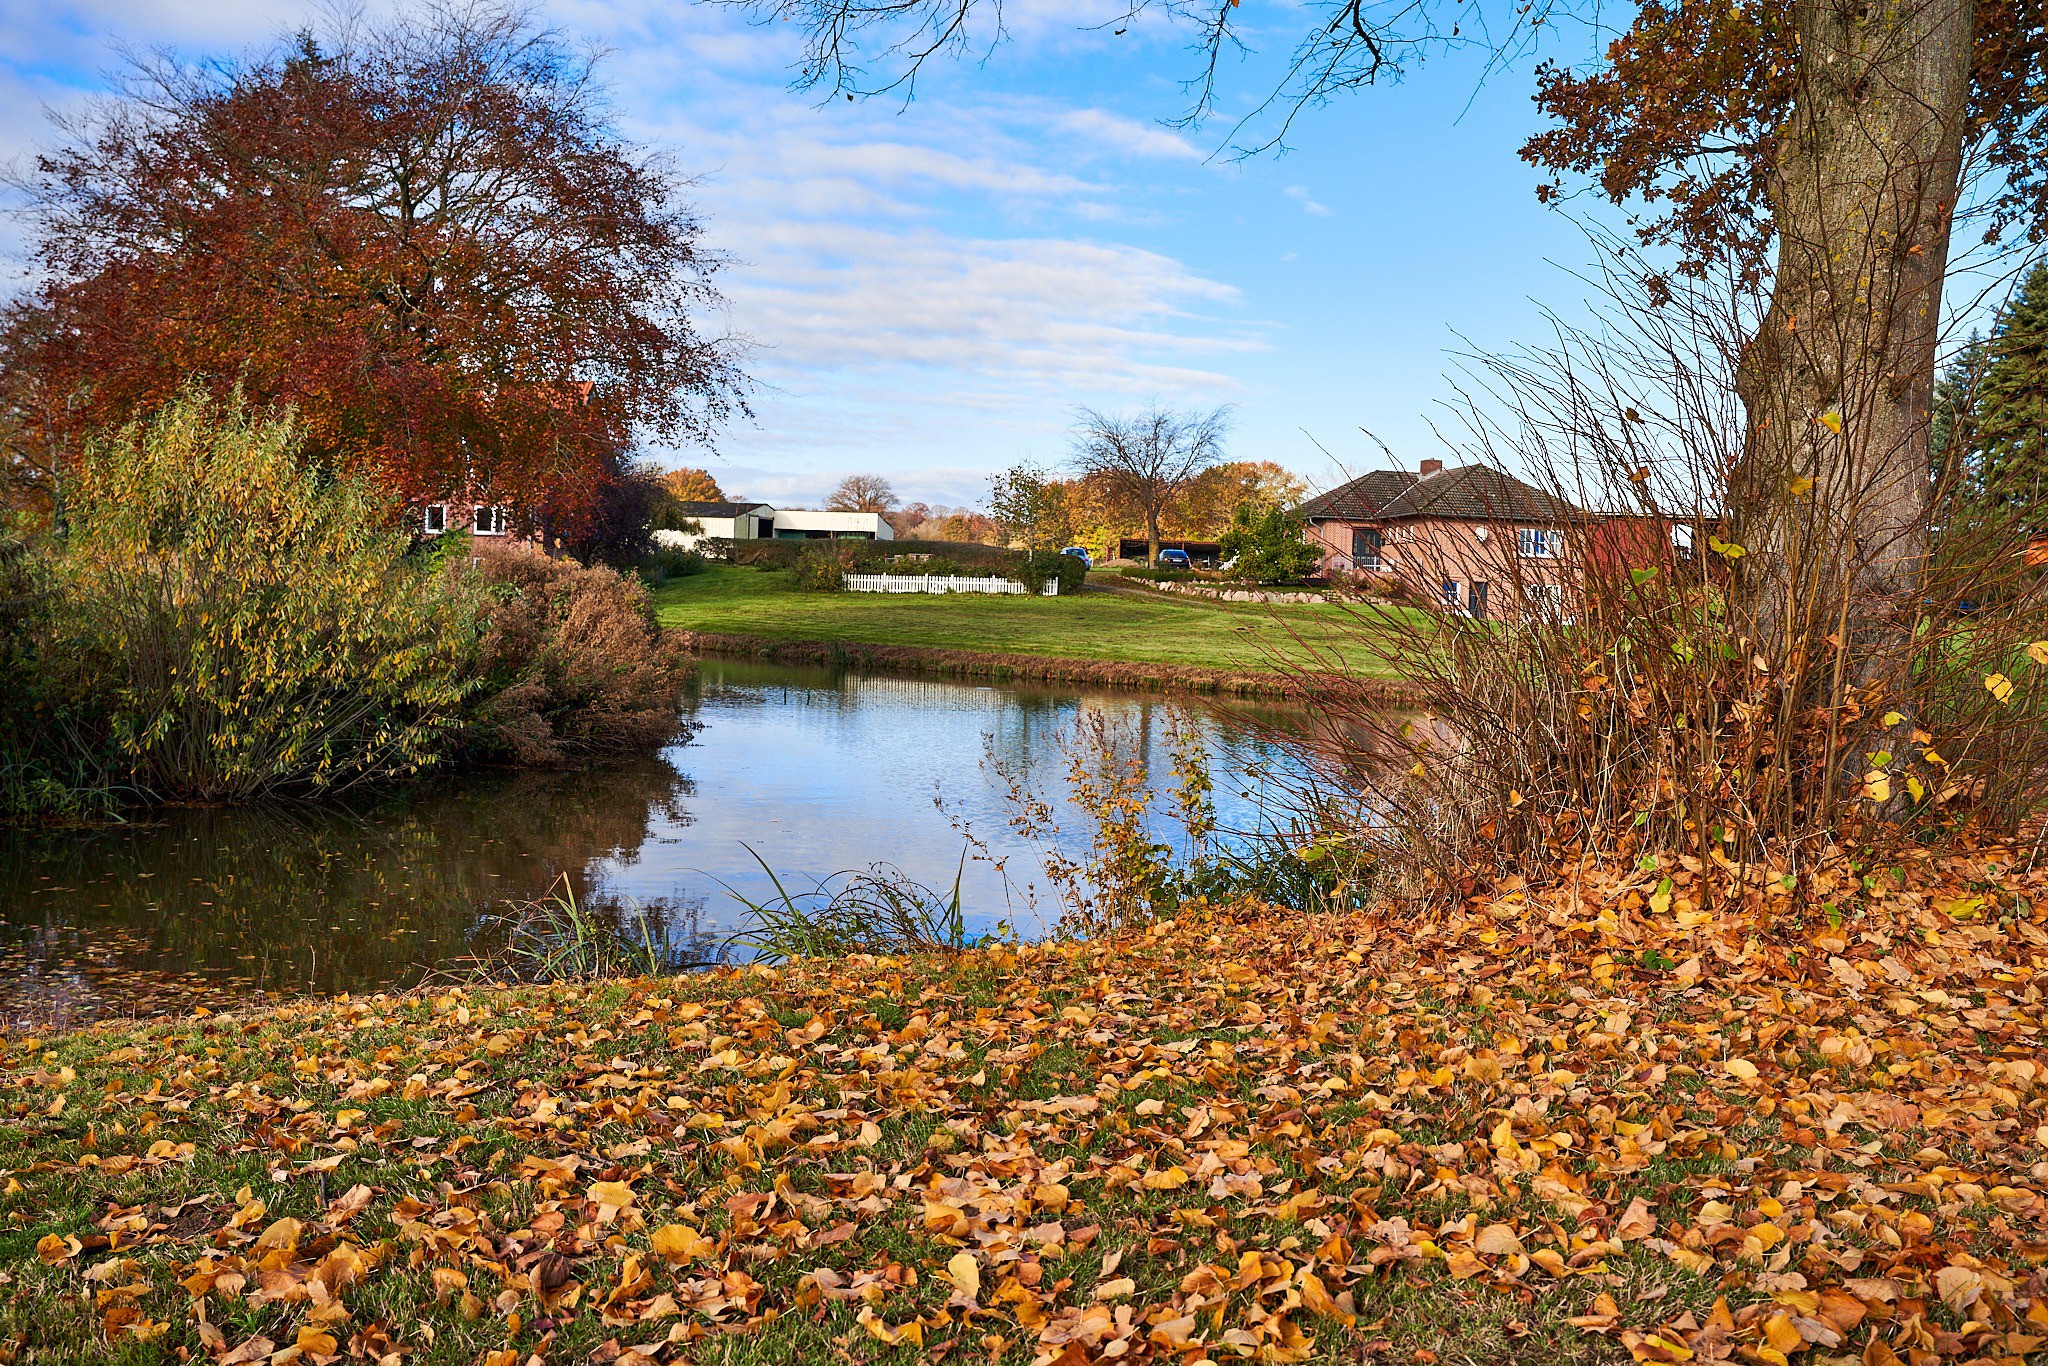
{"x": 425, "y": 235}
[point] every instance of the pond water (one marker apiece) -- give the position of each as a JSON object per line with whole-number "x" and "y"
{"x": 816, "y": 771}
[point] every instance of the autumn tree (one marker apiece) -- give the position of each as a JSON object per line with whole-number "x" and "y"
{"x": 1030, "y": 507}
{"x": 692, "y": 486}
{"x": 862, "y": 493}
{"x": 1212, "y": 500}
{"x": 1148, "y": 458}
{"x": 424, "y": 235}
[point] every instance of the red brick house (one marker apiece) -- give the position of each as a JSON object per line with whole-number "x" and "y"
{"x": 1477, "y": 536}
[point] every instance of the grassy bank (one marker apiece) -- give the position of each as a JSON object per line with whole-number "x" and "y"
{"x": 1131, "y": 627}
{"x": 1569, "y": 1126}
{"x": 1016, "y": 668}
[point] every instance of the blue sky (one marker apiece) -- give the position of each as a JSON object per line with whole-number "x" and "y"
{"x": 932, "y": 288}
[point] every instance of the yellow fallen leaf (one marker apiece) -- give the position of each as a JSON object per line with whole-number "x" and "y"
{"x": 680, "y": 1243}
{"x": 317, "y": 1342}
{"x": 1116, "y": 1289}
{"x": 1877, "y": 785}
{"x": 1832, "y": 420}
{"x": 2038, "y": 652}
{"x": 615, "y": 1194}
{"x": 966, "y": 1274}
{"x": 1741, "y": 1068}
{"x": 1999, "y": 686}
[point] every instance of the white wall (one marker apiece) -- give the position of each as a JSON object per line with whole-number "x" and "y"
{"x": 837, "y": 523}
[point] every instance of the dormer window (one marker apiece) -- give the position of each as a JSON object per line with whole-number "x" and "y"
{"x": 491, "y": 521}
{"x": 434, "y": 519}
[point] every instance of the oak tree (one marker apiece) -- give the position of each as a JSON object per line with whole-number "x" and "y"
{"x": 862, "y": 493}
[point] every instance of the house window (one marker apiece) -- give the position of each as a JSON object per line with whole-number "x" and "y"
{"x": 491, "y": 522}
{"x": 435, "y": 518}
{"x": 1536, "y": 542}
{"x": 1450, "y": 595}
{"x": 1475, "y": 599}
{"x": 1366, "y": 544}
{"x": 1546, "y": 600}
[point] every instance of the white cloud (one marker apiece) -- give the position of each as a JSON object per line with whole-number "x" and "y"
{"x": 1127, "y": 136}
{"x": 1299, "y": 193}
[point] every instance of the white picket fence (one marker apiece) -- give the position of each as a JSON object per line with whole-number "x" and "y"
{"x": 940, "y": 583}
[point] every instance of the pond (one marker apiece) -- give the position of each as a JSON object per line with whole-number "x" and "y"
{"x": 816, "y": 771}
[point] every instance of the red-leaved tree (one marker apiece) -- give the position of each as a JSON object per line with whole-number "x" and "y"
{"x": 427, "y": 238}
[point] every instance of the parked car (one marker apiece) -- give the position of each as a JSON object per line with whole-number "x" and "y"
{"x": 1079, "y": 552}
{"x": 1175, "y": 559}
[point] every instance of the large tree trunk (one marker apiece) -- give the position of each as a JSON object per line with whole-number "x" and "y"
{"x": 1839, "y": 381}
{"x": 1152, "y": 536}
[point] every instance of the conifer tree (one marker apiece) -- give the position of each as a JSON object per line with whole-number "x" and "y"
{"x": 2011, "y": 417}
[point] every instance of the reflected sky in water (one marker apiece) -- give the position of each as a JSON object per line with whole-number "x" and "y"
{"x": 817, "y": 771}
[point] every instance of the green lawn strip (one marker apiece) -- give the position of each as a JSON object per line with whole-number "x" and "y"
{"x": 1126, "y": 627}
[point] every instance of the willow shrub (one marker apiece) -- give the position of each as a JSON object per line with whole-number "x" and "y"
{"x": 241, "y": 621}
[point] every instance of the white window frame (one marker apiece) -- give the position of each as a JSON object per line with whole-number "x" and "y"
{"x": 487, "y": 520}
{"x": 1453, "y": 591}
{"x": 1536, "y": 542}
{"x": 434, "y": 519}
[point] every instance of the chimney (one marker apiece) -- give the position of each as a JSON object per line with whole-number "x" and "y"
{"x": 1430, "y": 467}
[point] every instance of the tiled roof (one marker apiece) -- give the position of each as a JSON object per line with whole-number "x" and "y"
{"x": 1362, "y": 498}
{"x": 1463, "y": 492}
{"x": 716, "y": 509}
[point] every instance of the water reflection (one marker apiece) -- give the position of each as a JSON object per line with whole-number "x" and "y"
{"x": 817, "y": 771}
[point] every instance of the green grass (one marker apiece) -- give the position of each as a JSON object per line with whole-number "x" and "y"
{"x": 1132, "y": 626}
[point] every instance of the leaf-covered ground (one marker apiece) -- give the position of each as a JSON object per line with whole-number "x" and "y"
{"x": 1580, "y": 1122}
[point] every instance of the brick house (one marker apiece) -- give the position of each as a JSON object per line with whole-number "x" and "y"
{"x": 1478, "y": 537}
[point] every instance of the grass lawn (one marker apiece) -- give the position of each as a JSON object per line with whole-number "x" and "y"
{"x": 1557, "y": 1128}
{"x": 1135, "y": 626}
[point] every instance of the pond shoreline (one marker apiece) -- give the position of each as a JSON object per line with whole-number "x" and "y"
{"x": 1002, "y": 667}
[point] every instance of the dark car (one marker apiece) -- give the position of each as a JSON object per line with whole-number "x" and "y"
{"x": 1175, "y": 559}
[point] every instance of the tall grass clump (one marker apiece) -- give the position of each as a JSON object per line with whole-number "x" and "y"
{"x": 1707, "y": 666}
{"x": 238, "y": 620}
{"x": 879, "y": 910}
{"x": 557, "y": 938}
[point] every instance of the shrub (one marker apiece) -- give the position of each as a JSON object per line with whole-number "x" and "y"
{"x": 571, "y": 662}
{"x": 666, "y": 562}
{"x": 49, "y": 764}
{"x": 1270, "y": 545}
{"x": 1036, "y": 569}
{"x": 822, "y": 566}
{"x": 236, "y": 620}
{"x": 766, "y": 554}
